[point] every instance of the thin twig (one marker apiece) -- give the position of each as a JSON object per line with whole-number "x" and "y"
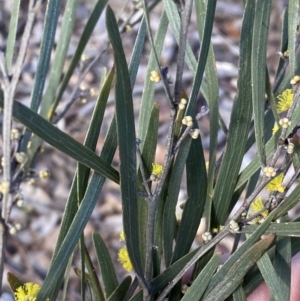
{"x": 9, "y": 93}
{"x": 152, "y": 204}
{"x": 162, "y": 75}
{"x": 75, "y": 89}
{"x": 150, "y": 7}
{"x": 185, "y": 12}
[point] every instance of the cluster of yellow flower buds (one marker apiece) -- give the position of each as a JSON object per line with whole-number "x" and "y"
{"x": 285, "y": 122}
{"x": 269, "y": 172}
{"x": 206, "y": 236}
{"x": 290, "y": 148}
{"x": 14, "y": 229}
{"x": 182, "y": 104}
{"x": 4, "y": 187}
{"x": 188, "y": 121}
{"x": 234, "y": 226}
{"x": 14, "y": 134}
{"x": 44, "y": 174}
{"x": 295, "y": 80}
{"x": 155, "y": 76}
{"x": 84, "y": 57}
{"x": 195, "y": 133}
{"x": 21, "y": 157}
{"x": 184, "y": 288}
{"x": 19, "y": 199}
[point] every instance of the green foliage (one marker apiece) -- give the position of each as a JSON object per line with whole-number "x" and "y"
{"x": 159, "y": 245}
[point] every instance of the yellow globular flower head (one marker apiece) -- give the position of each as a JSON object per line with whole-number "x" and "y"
{"x": 258, "y": 205}
{"x": 27, "y": 292}
{"x": 276, "y": 184}
{"x": 285, "y": 100}
{"x": 123, "y": 258}
{"x": 157, "y": 169}
{"x": 275, "y": 128}
{"x": 155, "y": 76}
{"x": 255, "y": 207}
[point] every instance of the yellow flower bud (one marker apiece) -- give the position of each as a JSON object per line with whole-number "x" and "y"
{"x": 195, "y": 133}
{"x": 21, "y": 157}
{"x": 14, "y": 134}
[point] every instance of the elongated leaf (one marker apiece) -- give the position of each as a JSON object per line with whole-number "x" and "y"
{"x": 87, "y": 32}
{"x": 296, "y": 157}
{"x": 173, "y": 192}
{"x": 267, "y": 270}
{"x": 11, "y": 39}
{"x": 199, "y": 285}
{"x": 62, "y": 141}
{"x": 194, "y": 206}
{"x": 67, "y": 278}
{"x": 93, "y": 132}
{"x": 137, "y": 297}
{"x": 281, "y": 229}
{"x": 60, "y": 57}
{"x": 137, "y": 53}
{"x": 254, "y": 278}
{"x": 148, "y": 92}
{"x": 234, "y": 275}
{"x": 73, "y": 235}
{"x": 258, "y": 74}
{"x": 213, "y": 95}
{"x": 248, "y": 244}
{"x": 282, "y": 264}
{"x": 168, "y": 275}
{"x": 108, "y": 151}
{"x": 209, "y": 17}
{"x": 71, "y": 226}
{"x": 174, "y": 19}
{"x": 239, "y": 126}
{"x": 109, "y": 276}
{"x": 92, "y": 278}
{"x": 127, "y": 144}
{"x": 121, "y": 290}
{"x": 239, "y": 294}
{"x": 50, "y": 25}
{"x": 149, "y": 153}
{"x": 283, "y": 47}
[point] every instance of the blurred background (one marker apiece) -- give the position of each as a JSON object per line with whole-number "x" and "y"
{"x": 29, "y": 251}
